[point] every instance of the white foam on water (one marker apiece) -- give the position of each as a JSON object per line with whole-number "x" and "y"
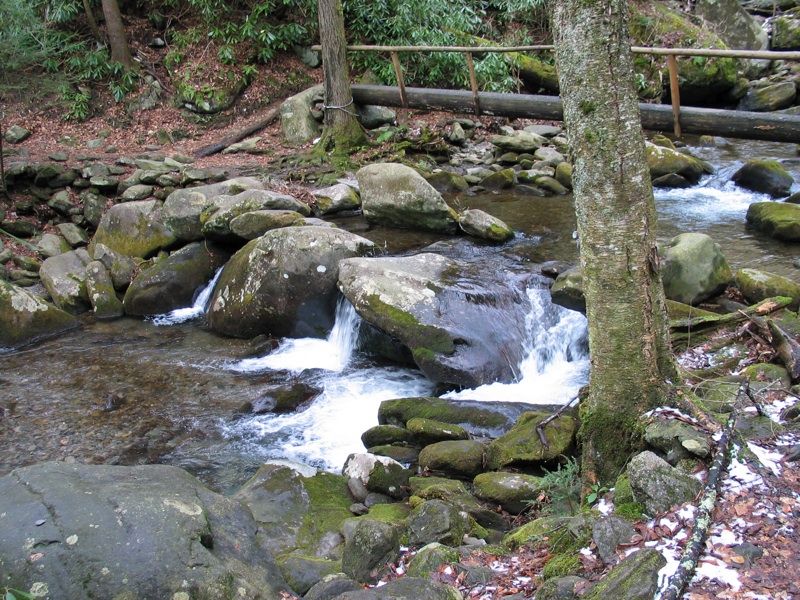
{"x": 197, "y": 309}
{"x": 556, "y": 365}
{"x": 329, "y": 430}
{"x": 295, "y": 355}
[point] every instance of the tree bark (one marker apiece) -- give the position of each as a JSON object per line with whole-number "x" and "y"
{"x": 120, "y": 51}
{"x": 631, "y": 359}
{"x": 92, "y": 21}
{"x": 342, "y": 129}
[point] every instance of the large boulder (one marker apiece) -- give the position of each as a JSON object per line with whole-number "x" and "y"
{"x": 522, "y": 445}
{"x": 372, "y": 545}
{"x": 658, "y": 486}
{"x": 134, "y": 229}
{"x": 635, "y": 578}
{"x": 79, "y": 531}
{"x": 786, "y": 30}
{"x": 25, "y": 317}
{"x": 765, "y": 176}
{"x": 462, "y": 326}
{"x": 64, "y": 278}
{"x": 377, "y": 474}
{"x": 664, "y": 161}
{"x": 437, "y": 521}
{"x": 300, "y": 509}
{"x": 174, "y": 282}
{"x": 406, "y": 588}
{"x": 217, "y": 227}
{"x": 737, "y": 28}
{"x": 336, "y": 198}
{"x": 395, "y": 195}
{"x": 183, "y": 208}
{"x": 767, "y": 98}
{"x": 776, "y": 219}
{"x": 513, "y": 491}
{"x": 283, "y": 283}
{"x": 693, "y": 268}
{"x": 758, "y": 285}
{"x": 297, "y": 121}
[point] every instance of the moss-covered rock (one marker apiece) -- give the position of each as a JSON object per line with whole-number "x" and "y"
{"x": 693, "y": 268}
{"x": 377, "y": 473}
{"x": 64, "y": 278}
{"x": 303, "y": 572}
{"x": 395, "y": 195}
{"x": 447, "y": 181}
{"x": 665, "y": 161}
{"x": 766, "y": 176}
{"x": 174, "y": 282}
{"x": 635, "y": 578}
{"x": 134, "y": 229}
{"x": 455, "y": 492}
{"x": 776, "y": 219}
{"x": 100, "y": 289}
{"x": 429, "y": 431}
{"x": 25, "y": 317}
{"x": 336, "y": 198}
{"x": 514, "y": 492}
{"x": 298, "y": 510}
{"x": 767, "y": 98}
{"x": 659, "y": 486}
{"x": 758, "y": 285}
{"x": 483, "y": 225}
{"x": 437, "y": 521}
{"x": 478, "y": 418}
{"x": 367, "y": 551}
{"x": 522, "y": 445}
{"x": 456, "y": 458}
{"x": 429, "y": 558}
{"x": 499, "y": 180}
{"x": 387, "y": 435}
{"x": 567, "y": 290}
{"x": 563, "y": 535}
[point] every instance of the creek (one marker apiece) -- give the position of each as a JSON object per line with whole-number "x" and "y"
{"x": 167, "y": 390}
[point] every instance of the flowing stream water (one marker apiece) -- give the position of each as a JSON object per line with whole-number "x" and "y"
{"x": 167, "y": 390}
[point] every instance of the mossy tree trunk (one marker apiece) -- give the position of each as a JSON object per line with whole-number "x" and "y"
{"x": 342, "y": 131}
{"x": 120, "y": 51}
{"x": 631, "y": 359}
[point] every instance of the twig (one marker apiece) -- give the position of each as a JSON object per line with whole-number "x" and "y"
{"x": 696, "y": 543}
{"x": 23, "y": 242}
{"x": 553, "y": 417}
{"x": 262, "y": 122}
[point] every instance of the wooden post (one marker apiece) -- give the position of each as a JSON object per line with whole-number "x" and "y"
{"x": 398, "y": 72}
{"x": 473, "y": 83}
{"x": 675, "y": 94}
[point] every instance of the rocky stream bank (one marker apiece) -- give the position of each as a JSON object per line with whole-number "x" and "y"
{"x": 446, "y": 479}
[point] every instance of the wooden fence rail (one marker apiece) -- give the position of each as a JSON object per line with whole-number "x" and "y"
{"x": 670, "y": 53}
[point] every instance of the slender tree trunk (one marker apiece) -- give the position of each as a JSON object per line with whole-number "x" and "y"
{"x": 631, "y": 359}
{"x": 120, "y": 52}
{"x": 342, "y": 129}
{"x": 92, "y": 21}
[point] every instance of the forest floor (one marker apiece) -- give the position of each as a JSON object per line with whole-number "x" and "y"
{"x": 754, "y": 548}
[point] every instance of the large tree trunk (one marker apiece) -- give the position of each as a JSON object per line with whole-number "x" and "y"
{"x": 120, "y": 52}
{"x": 342, "y": 129}
{"x": 631, "y": 358}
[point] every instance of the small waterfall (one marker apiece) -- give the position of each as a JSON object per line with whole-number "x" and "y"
{"x": 199, "y": 308}
{"x": 331, "y": 354}
{"x": 557, "y": 359}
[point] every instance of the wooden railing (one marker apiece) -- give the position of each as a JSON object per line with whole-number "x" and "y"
{"x": 670, "y": 53}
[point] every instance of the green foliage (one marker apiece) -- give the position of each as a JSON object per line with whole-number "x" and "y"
{"x": 12, "y": 594}
{"x": 425, "y": 23}
{"x": 596, "y": 492}
{"x": 563, "y": 485}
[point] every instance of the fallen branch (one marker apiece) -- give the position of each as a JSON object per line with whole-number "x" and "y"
{"x": 702, "y": 522}
{"x": 234, "y": 137}
{"x": 540, "y": 427}
{"x": 787, "y": 348}
{"x": 764, "y": 307}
